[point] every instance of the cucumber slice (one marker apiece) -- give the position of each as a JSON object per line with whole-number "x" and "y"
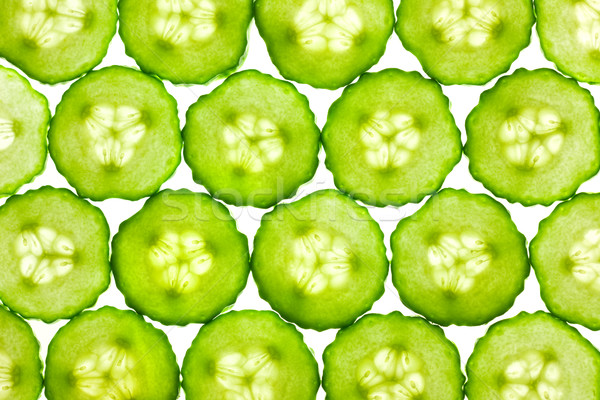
{"x": 24, "y": 117}
{"x": 20, "y": 364}
{"x": 383, "y": 145}
{"x": 252, "y": 141}
{"x": 392, "y": 357}
{"x": 565, "y": 255}
{"x": 249, "y": 355}
{"x": 534, "y": 137}
{"x": 325, "y": 43}
{"x": 54, "y": 254}
{"x": 533, "y": 357}
{"x": 116, "y": 134}
{"x": 180, "y": 259}
{"x": 459, "y": 260}
{"x": 111, "y": 354}
{"x": 568, "y": 32}
{"x": 56, "y": 40}
{"x": 186, "y": 41}
{"x": 465, "y": 41}
{"x": 320, "y": 261}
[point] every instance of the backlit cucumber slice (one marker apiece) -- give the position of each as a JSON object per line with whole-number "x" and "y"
{"x": 325, "y": 43}
{"x": 185, "y": 41}
{"x": 24, "y": 118}
{"x": 391, "y": 139}
{"x": 53, "y": 254}
{"x": 533, "y": 357}
{"x": 111, "y": 354}
{"x": 459, "y": 259}
{"x": 249, "y": 355}
{"x": 392, "y": 357}
{"x": 465, "y": 41}
{"x": 534, "y": 137}
{"x": 320, "y": 261}
{"x": 56, "y": 40}
{"x": 116, "y": 134}
{"x": 181, "y": 258}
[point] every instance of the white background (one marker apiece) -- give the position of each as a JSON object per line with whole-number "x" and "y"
{"x": 463, "y": 99}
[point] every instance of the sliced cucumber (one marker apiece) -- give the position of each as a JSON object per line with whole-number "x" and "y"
{"x": 111, "y": 354}
{"x": 116, "y": 134}
{"x": 325, "y": 43}
{"x": 459, "y": 260}
{"x": 249, "y": 355}
{"x": 320, "y": 261}
{"x": 534, "y": 137}
{"x": 533, "y": 357}
{"x": 465, "y": 41}
{"x": 392, "y": 357}
{"x": 20, "y": 364}
{"x": 53, "y": 254}
{"x": 568, "y": 32}
{"x": 24, "y": 117}
{"x": 186, "y": 41}
{"x": 391, "y": 139}
{"x": 252, "y": 141}
{"x": 565, "y": 255}
{"x": 56, "y": 40}
{"x": 181, "y": 258}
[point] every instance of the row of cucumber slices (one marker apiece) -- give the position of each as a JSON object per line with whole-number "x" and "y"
{"x": 254, "y": 355}
{"x": 325, "y": 43}
{"x": 390, "y": 139}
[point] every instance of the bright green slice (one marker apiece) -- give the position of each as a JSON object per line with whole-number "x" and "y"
{"x": 320, "y": 261}
{"x": 459, "y": 260}
{"x": 324, "y": 43}
{"x": 181, "y": 258}
{"x": 111, "y": 354}
{"x": 20, "y": 364}
{"x": 392, "y": 357}
{"x": 533, "y": 357}
{"x": 53, "y": 254}
{"x": 252, "y": 141}
{"x": 390, "y": 139}
{"x": 56, "y": 40}
{"x": 185, "y": 41}
{"x": 465, "y": 41}
{"x": 534, "y": 137}
{"x": 249, "y": 355}
{"x": 565, "y": 255}
{"x": 116, "y": 134}
{"x": 568, "y": 31}
{"x": 24, "y": 117}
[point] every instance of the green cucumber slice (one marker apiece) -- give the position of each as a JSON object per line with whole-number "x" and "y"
{"x": 56, "y": 40}
{"x": 568, "y": 32}
{"x": 533, "y": 357}
{"x": 390, "y": 139}
{"x": 465, "y": 41}
{"x": 116, "y": 134}
{"x": 249, "y": 355}
{"x": 459, "y": 260}
{"x": 392, "y": 357}
{"x": 534, "y": 137}
{"x": 24, "y": 117}
{"x": 20, "y": 364}
{"x": 186, "y": 41}
{"x": 324, "y": 43}
{"x": 54, "y": 254}
{"x": 320, "y": 261}
{"x": 252, "y": 141}
{"x": 111, "y": 354}
{"x": 565, "y": 255}
{"x": 180, "y": 259}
